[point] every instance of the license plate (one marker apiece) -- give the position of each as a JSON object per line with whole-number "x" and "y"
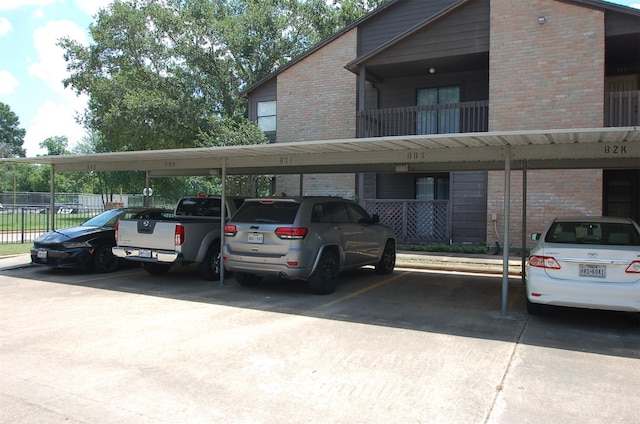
{"x": 42, "y": 254}
{"x": 599, "y": 271}
{"x": 145, "y": 253}
{"x": 256, "y": 238}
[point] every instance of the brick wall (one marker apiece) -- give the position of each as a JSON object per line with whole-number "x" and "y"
{"x": 544, "y": 76}
{"x": 317, "y": 101}
{"x": 550, "y": 193}
{"x": 342, "y": 185}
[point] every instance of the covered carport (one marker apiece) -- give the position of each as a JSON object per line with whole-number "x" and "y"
{"x": 611, "y": 148}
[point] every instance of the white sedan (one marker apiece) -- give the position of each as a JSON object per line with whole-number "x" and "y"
{"x": 585, "y": 262}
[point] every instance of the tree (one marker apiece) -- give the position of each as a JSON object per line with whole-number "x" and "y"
{"x": 11, "y": 135}
{"x": 55, "y": 146}
{"x": 169, "y": 74}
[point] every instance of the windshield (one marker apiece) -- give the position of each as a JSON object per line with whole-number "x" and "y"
{"x": 594, "y": 233}
{"x": 105, "y": 219}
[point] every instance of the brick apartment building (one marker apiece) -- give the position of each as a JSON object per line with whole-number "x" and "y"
{"x": 463, "y": 66}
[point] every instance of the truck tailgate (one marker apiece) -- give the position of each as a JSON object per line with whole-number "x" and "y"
{"x": 148, "y": 234}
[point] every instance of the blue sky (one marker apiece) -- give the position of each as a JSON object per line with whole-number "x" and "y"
{"x": 32, "y": 66}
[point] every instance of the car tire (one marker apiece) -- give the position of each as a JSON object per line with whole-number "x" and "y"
{"x": 104, "y": 260}
{"x": 156, "y": 269}
{"x": 210, "y": 267}
{"x": 325, "y": 278}
{"x": 388, "y": 260}
{"x": 247, "y": 279}
{"x": 533, "y": 308}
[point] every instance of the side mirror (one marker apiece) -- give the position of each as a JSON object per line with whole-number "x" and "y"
{"x": 375, "y": 218}
{"x": 536, "y": 236}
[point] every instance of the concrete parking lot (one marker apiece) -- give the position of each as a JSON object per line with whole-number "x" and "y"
{"x": 415, "y": 346}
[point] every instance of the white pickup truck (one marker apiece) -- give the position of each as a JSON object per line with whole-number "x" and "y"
{"x": 191, "y": 236}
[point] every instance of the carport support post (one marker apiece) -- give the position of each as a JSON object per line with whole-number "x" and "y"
{"x": 53, "y": 197}
{"x": 146, "y": 194}
{"x": 505, "y": 246}
{"x": 524, "y": 220}
{"x": 223, "y": 215}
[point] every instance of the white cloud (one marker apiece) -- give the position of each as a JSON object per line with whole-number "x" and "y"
{"x": 15, "y": 4}
{"x": 8, "y": 83}
{"x": 5, "y": 26}
{"x": 55, "y": 119}
{"x": 50, "y": 65}
{"x": 91, "y": 7}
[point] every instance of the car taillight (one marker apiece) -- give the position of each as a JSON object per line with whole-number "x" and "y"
{"x": 634, "y": 268}
{"x": 179, "y": 235}
{"x": 292, "y": 232}
{"x": 230, "y": 230}
{"x": 117, "y": 225}
{"x": 544, "y": 262}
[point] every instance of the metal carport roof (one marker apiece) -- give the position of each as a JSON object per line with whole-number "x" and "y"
{"x": 542, "y": 149}
{"x": 539, "y": 149}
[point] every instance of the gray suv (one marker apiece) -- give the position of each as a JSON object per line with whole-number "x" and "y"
{"x": 305, "y": 238}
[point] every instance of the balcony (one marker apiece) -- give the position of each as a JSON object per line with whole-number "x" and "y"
{"x": 620, "y": 110}
{"x": 431, "y": 119}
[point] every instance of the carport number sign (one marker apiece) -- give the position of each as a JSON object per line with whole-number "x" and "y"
{"x": 615, "y": 150}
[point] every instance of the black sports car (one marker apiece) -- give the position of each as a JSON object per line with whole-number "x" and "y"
{"x": 88, "y": 246}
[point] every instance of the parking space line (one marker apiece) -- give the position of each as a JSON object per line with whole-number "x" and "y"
{"x": 515, "y": 296}
{"x": 362, "y": 291}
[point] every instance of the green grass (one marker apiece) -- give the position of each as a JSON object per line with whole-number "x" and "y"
{"x": 453, "y": 248}
{"x": 16, "y": 222}
{"x": 14, "y": 248}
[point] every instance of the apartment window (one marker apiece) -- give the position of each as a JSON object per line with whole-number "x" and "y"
{"x": 267, "y": 116}
{"x": 441, "y": 114}
{"x": 432, "y": 188}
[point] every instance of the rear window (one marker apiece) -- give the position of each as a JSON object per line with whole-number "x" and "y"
{"x": 267, "y": 212}
{"x": 199, "y": 206}
{"x": 594, "y": 233}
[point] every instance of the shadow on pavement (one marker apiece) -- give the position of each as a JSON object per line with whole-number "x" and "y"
{"x": 467, "y": 305}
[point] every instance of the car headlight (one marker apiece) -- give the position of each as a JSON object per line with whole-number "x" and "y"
{"x": 75, "y": 244}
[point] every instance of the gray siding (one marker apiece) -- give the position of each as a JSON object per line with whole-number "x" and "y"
{"x": 396, "y": 186}
{"x": 390, "y": 23}
{"x": 619, "y": 24}
{"x": 265, "y": 92}
{"x": 469, "y": 207}
{"x": 401, "y": 92}
{"x": 464, "y": 31}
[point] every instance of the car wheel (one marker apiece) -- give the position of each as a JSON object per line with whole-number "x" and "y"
{"x": 533, "y": 308}
{"x": 388, "y": 259}
{"x": 104, "y": 260}
{"x": 246, "y": 279}
{"x": 156, "y": 269}
{"x": 210, "y": 267}
{"x": 325, "y": 278}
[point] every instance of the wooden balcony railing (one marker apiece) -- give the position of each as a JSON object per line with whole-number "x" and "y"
{"x": 436, "y": 119}
{"x": 621, "y": 109}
